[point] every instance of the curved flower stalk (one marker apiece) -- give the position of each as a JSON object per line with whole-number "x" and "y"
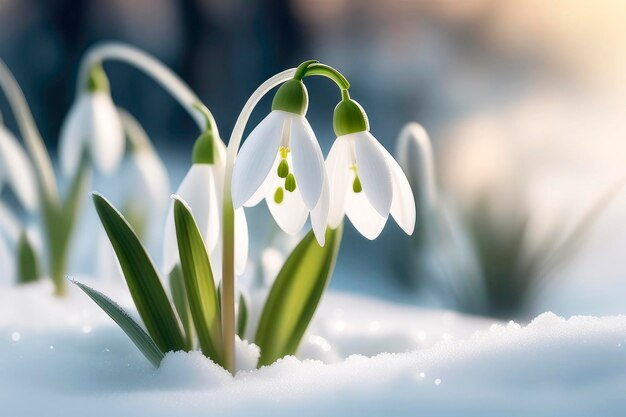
{"x": 92, "y": 126}
{"x": 366, "y": 183}
{"x": 58, "y": 214}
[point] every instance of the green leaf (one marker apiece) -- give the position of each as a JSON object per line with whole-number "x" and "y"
{"x": 143, "y": 281}
{"x": 27, "y": 264}
{"x": 140, "y": 338}
{"x": 242, "y": 317}
{"x": 294, "y": 297}
{"x": 179, "y": 297}
{"x": 199, "y": 283}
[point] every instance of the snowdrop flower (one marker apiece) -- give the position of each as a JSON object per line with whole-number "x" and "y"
{"x": 16, "y": 170}
{"x": 203, "y": 189}
{"x": 366, "y": 183}
{"x": 281, "y": 162}
{"x": 92, "y": 126}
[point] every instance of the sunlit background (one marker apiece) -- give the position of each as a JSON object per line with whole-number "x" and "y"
{"x": 525, "y": 103}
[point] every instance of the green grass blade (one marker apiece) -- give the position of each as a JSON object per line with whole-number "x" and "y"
{"x": 294, "y": 297}
{"x": 143, "y": 281}
{"x": 179, "y": 296}
{"x": 27, "y": 263}
{"x": 242, "y": 317}
{"x": 199, "y": 283}
{"x": 140, "y": 338}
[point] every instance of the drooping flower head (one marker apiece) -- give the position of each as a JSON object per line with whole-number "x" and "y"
{"x": 203, "y": 190}
{"x": 366, "y": 183}
{"x": 281, "y": 162}
{"x": 92, "y": 126}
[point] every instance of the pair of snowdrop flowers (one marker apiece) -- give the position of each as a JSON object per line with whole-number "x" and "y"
{"x": 281, "y": 162}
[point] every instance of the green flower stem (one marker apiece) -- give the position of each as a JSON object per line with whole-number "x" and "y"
{"x": 316, "y": 68}
{"x": 228, "y": 264}
{"x": 152, "y": 67}
{"x": 30, "y": 134}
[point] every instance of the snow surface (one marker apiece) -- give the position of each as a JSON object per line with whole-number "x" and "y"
{"x": 66, "y": 358}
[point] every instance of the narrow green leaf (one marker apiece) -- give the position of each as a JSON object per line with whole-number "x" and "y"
{"x": 143, "y": 281}
{"x": 133, "y": 330}
{"x": 27, "y": 263}
{"x": 179, "y": 297}
{"x": 77, "y": 191}
{"x": 199, "y": 283}
{"x": 294, "y": 297}
{"x": 242, "y": 317}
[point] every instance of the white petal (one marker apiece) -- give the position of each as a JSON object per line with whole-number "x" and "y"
{"x": 266, "y": 186}
{"x": 74, "y": 135}
{"x": 338, "y": 171}
{"x": 291, "y": 213}
{"x": 256, "y": 157}
{"x": 374, "y": 172}
{"x": 198, "y": 191}
{"x": 241, "y": 241}
{"x": 403, "y": 204}
{"x": 16, "y": 170}
{"x": 106, "y": 136}
{"x": 363, "y": 215}
{"x": 308, "y": 162}
{"x": 319, "y": 215}
{"x": 216, "y": 263}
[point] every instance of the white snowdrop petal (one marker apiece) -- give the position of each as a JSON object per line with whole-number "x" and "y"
{"x": 215, "y": 257}
{"x": 291, "y": 213}
{"x": 363, "y": 215}
{"x": 106, "y": 138}
{"x": 256, "y": 157}
{"x": 308, "y": 162}
{"x": 198, "y": 191}
{"x": 403, "y": 203}
{"x": 170, "y": 244}
{"x": 241, "y": 241}
{"x": 73, "y": 135}
{"x": 319, "y": 215}
{"x": 266, "y": 186}
{"x": 17, "y": 170}
{"x": 338, "y": 173}
{"x": 373, "y": 172}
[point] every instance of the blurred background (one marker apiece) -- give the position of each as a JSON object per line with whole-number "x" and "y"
{"x": 524, "y": 102}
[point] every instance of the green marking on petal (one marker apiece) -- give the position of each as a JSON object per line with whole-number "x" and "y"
{"x": 283, "y": 169}
{"x": 356, "y": 185}
{"x": 279, "y": 195}
{"x": 290, "y": 183}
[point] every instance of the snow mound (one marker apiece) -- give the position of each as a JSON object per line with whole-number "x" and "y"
{"x": 444, "y": 364}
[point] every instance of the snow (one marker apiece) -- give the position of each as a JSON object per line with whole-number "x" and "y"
{"x": 369, "y": 358}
